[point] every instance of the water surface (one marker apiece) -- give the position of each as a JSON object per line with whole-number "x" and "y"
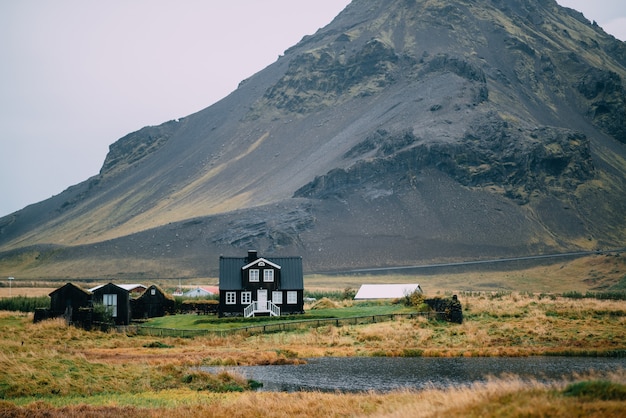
{"x": 354, "y": 374}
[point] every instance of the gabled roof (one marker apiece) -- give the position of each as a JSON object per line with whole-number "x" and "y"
{"x": 69, "y": 285}
{"x": 261, "y": 260}
{"x": 291, "y": 276}
{"x": 386, "y": 291}
{"x": 147, "y": 294}
{"x": 129, "y": 287}
{"x": 202, "y": 290}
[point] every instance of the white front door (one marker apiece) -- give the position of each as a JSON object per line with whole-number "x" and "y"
{"x": 261, "y": 298}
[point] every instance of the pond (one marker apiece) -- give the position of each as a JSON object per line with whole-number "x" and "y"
{"x": 355, "y": 374}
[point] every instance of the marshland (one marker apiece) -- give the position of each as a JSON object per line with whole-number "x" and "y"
{"x": 51, "y": 369}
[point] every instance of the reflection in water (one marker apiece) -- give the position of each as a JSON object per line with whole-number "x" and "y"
{"x": 352, "y": 374}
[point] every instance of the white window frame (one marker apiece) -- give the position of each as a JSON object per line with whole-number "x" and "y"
{"x": 268, "y": 275}
{"x": 246, "y": 298}
{"x": 110, "y": 302}
{"x": 231, "y": 298}
{"x": 253, "y": 275}
{"x": 277, "y": 297}
{"x": 292, "y": 297}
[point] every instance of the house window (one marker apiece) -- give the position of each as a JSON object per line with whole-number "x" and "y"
{"x": 246, "y": 297}
{"x": 292, "y": 297}
{"x": 231, "y": 298}
{"x": 153, "y": 292}
{"x": 277, "y": 297}
{"x": 268, "y": 275}
{"x": 253, "y": 275}
{"x": 110, "y": 302}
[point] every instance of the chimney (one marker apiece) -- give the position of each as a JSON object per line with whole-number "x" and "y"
{"x": 252, "y": 256}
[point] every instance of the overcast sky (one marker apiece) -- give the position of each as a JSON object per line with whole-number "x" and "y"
{"x": 76, "y": 75}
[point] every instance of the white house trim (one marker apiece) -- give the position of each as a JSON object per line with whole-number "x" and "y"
{"x": 261, "y": 260}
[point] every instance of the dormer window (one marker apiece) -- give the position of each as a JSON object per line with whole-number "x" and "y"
{"x": 268, "y": 275}
{"x": 253, "y": 275}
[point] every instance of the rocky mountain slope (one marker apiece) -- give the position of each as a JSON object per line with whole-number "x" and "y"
{"x": 404, "y": 132}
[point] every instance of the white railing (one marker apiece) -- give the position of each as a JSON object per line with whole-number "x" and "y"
{"x": 274, "y": 310}
{"x": 253, "y": 309}
{"x": 249, "y": 310}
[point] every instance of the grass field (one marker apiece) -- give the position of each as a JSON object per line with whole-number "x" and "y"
{"x": 50, "y": 369}
{"x": 6, "y": 292}
{"x": 592, "y": 273}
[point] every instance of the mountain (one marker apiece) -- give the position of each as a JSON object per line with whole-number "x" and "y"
{"x": 404, "y": 132}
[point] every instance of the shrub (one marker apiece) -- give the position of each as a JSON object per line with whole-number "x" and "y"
{"x": 412, "y": 352}
{"x": 157, "y": 344}
{"x": 24, "y": 303}
{"x": 611, "y": 295}
{"x": 102, "y": 316}
{"x": 324, "y": 303}
{"x": 414, "y": 299}
{"x": 597, "y": 389}
{"x": 318, "y": 294}
{"x": 573, "y": 295}
{"x": 205, "y": 306}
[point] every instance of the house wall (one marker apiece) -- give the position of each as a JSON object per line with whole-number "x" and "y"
{"x": 152, "y": 303}
{"x": 68, "y": 296}
{"x": 234, "y": 281}
{"x": 123, "y": 302}
{"x": 236, "y": 309}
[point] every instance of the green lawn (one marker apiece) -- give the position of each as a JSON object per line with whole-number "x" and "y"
{"x": 211, "y": 322}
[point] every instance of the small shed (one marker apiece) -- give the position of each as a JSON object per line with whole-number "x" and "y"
{"x": 386, "y": 291}
{"x": 117, "y": 301}
{"x": 153, "y": 302}
{"x": 202, "y": 292}
{"x": 66, "y": 301}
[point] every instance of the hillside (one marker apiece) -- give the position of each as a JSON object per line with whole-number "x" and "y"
{"x": 404, "y": 132}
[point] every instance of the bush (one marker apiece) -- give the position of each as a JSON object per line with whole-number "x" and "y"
{"x": 324, "y": 303}
{"x": 24, "y": 303}
{"x": 597, "y": 389}
{"x": 448, "y": 309}
{"x": 414, "y": 299}
{"x": 205, "y": 306}
{"x": 611, "y": 295}
{"x": 336, "y": 295}
{"x": 102, "y": 316}
{"x": 157, "y": 344}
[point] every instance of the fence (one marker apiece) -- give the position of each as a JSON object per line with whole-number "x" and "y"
{"x": 280, "y": 326}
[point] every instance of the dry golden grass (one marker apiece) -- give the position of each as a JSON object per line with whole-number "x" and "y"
{"x": 50, "y": 369}
{"x": 580, "y": 275}
{"x": 6, "y": 292}
{"x": 510, "y": 397}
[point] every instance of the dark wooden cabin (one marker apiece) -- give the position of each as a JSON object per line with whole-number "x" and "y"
{"x": 253, "y": 285}
{"x": 153, "y": 302}
{"x": 67, "y": 300}
{"x": 117, "y": 301}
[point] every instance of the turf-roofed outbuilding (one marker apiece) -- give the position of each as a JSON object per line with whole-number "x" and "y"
{"x": 153, "y": 302}
{"x": 67, "y": 300}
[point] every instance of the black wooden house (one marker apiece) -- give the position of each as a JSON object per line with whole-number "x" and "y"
{"x": 67, "y": 302}
{"x": 153, "y": 302}
{"x": 253, "y": 285}
{"x": 116, "y": 299}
